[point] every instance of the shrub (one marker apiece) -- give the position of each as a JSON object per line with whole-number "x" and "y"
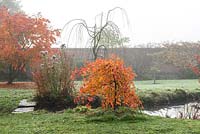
{"x": 89, "y": 101}
{"x": 54, "y": 82}
{"x": 111, "y": 81}
{"x": 195, "y": 66}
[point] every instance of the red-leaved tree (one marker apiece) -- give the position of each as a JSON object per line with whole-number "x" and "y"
{"x": 196, "y": 65}
{"x": 21, "y": 39}
{"x": 111, "y": 81}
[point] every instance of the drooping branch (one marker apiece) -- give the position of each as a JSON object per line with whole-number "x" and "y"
{"x": 110, "y": 30}
{"x": 82, "y": 22}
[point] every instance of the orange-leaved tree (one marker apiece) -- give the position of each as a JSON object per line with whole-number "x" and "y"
{"x": 195, "y": 66}
{"x": 21, "y": 39}
{"x": 112, "y": 81}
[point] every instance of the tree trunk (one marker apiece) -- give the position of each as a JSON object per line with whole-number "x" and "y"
{"x": 154, "y": 78}
{"x": 115, "y": 94}
{"x": 11, "y": 75}
{"x": 10, "y": 81}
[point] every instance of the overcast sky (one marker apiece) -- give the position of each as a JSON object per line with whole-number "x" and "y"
{"x": 150, "y": 20}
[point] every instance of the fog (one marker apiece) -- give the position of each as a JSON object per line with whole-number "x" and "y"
{"x": 150, "y": 21}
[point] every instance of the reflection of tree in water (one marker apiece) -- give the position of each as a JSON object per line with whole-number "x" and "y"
{"x": 104, "y": 35}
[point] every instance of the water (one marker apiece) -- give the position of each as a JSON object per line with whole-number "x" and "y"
{"x": 187, "y": 111}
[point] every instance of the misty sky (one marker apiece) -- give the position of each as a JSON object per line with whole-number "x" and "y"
{"x": 150, "y": 20}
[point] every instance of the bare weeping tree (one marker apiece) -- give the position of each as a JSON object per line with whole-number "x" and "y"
{"x": 103, "y": 35}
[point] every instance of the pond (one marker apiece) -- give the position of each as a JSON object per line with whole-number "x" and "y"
{"x": 186, "y": 111}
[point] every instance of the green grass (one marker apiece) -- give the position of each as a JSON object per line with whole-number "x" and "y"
{"x": 190, "y": 84}
{"x": 69, "y": 122}
{"x": 167, "y": 92}
{"x": 9, "y": 99}
{"x": 75, "y": 123}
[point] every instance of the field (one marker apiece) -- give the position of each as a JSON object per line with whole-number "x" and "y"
{"x": 167, "y": 92}
{"x": 72, "y": 122}
{"x": 186, "y": 84}
{"x": 162, "y": 85}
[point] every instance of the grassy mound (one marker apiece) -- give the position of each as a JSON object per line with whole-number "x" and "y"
{"x": 84, "y": 122}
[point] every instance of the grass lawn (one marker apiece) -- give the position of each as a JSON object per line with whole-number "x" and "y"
{"x": 188, "y": 84}
{"x": 162, "y": 85}
{"x": 43, "y": 122}
{"x": 167, "y": 92}
{"x": 9, "y": 99}
{"x": 75, "y": 123}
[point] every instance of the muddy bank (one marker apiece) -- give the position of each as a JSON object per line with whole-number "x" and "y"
{"x": 158, "y": 100}
{"x": 18, "y": 85}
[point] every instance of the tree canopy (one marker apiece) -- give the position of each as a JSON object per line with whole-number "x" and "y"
{"x": 21, "y": 39}
{"x": 102, "y": 35}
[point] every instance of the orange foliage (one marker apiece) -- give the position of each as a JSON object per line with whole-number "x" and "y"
{"x": 112, "y": 81}
{"x": 23, "y": 37}
{"x": 195, "y": 67}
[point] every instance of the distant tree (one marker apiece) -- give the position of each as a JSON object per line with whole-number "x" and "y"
{"x": 196, "y": 66}
{"x": 141, "y": 60}
{"x": 183, "y": 55}
{"x": 21, "y": 39}
{"x": 180, "y": 54}
{"x": 112, "y": 39}
{"x": 13, "y": 6}
{"x": 156, "y": 65}
{"x": 102, "y": 36}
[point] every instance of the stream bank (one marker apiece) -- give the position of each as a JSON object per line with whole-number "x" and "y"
{"x": 156, "y": 100}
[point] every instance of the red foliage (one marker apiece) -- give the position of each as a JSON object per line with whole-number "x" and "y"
{"x": 112, "y": 81}
{"x": 22, "y": 38}
{"x": 195, "y": 67}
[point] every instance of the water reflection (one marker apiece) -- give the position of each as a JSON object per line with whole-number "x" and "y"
{"x": 187, "y": 111}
